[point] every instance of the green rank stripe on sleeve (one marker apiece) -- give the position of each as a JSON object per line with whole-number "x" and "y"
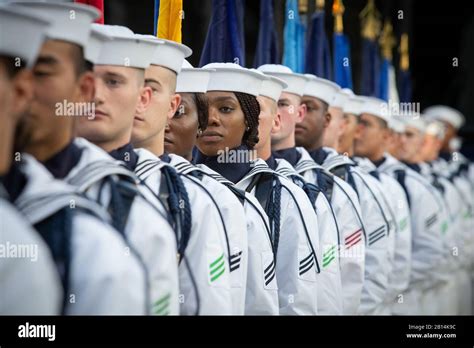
{"x": 403, "y": 224}
{"x": 329, "y": 256}
{"x": 217, "y": 268}
{"x": 161, "y": 306}
{"x": 444, "y": 227}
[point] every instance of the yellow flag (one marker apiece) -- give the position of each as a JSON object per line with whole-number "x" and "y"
{"x": 169, "y": 20}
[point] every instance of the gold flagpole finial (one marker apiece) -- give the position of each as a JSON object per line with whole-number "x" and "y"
{"x": 404, "y": 53}
{"x": 387, "y": 40}
{"x": 337, "y": 11}
{"x": 303, "y": 6}
{"x": 371, "y": 22}
{"x": 319, "y": 5}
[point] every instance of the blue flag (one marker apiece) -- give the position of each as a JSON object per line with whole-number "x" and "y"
{"x": 384, "y": 84}
{"x": 318, "y": 55}
{"x": 294, "y": 38}
{"x": 342, "y": 61}
{"x": 267, "y": 44}
{"x": 370, "y": 68}
{"x": 225, "y": 36}
{"x": 404, "y": 86}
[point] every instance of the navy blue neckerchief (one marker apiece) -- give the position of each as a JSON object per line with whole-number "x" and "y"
{"x": 319, "y": 155}
{"x": 291, "y": 155}
{"x": 272, "y": 163}
{"x": 413, "y": 166}
{"x": 14, "y": 181}
{"x": 126, "y": 152}
{"x": 64, "y": 161}
{"x": 233, "y": 172}
{"x": 379, "y": 162}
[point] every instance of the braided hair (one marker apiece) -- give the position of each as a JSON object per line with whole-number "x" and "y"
{"x": 251, "y": 110}
{"x": 202, "y": 109}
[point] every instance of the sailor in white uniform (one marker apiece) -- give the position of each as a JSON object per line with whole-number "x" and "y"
{"x": 343, "y": 199}
{"x": 296, "y": 242}
{"x": 330, "y": 299}
{"x": 397, "y": 204}
{"x": 86, "y": 166}
{"x": 206, "y": 264}
{"x": 376, "y": 214}
{"x": 417, "y": 143}
{"x": 226, "y": 146}
{"x": 33, "y": 272}
{"x": 426, "y": 215}
{"x": 180, "y": 137}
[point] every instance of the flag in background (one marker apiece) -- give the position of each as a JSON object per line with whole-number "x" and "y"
{"x": 225, "y": 36}
{"x": 318, "y": 55}
{"x": 371, "y": 66}
{"x": 387, "y": 89}
{"x": 99, "y": 4}
{"x": 267, "y": 51}
{"x": 167, "y": 17}
{"x": 294, "y": 38}
{"x": 404, "y": 76}
{"x": 342, "y": 50}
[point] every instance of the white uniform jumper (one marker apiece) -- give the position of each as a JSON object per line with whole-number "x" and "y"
{"x": 427, "y": 244}
{"x": 100, "y": 276}
{"x": 346, "y": 206}
{"x": 145, "y": 228}
{"x": 329, "y": 280}
{"x": 204, "y": 278}
{"x": 232, "y": 217}
{"x": 260, "y": 299}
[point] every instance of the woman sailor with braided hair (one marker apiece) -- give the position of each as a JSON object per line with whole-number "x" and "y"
{"x": 181, "y": 132}
{"x": 227, "y": 146}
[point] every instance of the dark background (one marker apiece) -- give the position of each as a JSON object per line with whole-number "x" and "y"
{"x": 438, "y": 32}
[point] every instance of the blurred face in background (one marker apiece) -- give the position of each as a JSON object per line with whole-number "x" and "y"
{"x": 394, "y": 145}
{"x": 346, "y": 141}
{"x": 335, "y": 129}
{"x": 412, "y": 142}
{"x": 372, "y": 134}
{"x": 309, "y": 133}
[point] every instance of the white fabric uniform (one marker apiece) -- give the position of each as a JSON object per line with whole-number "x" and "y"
{"x": 346, "y": 206}
{"x": 399, "y": 277}
{"x": 205, "y": 265}
{"x": 23, "y": 276}
{"x": 379, "y": 224}
{"x": 298, "y": 256}
{"x": 147, "y": 231}
{"x": 232, "y": 216}
{"x": 329, "y": 280}
{"x": 427, "y": 244}
{"x": 260, "y": 299}
{"x": 457, "y": 242}
{"x": 104, "y": 278}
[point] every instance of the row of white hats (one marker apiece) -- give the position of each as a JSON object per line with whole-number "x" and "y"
{"x": 117, "y": 45}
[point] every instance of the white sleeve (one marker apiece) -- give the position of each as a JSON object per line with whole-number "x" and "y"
{"x": 105, "y": 277}
{"x": 30, "y": 285}
{"x": 154, "y": 240}
{"x": 298, "y": 254}
{"x": 348, "y": 213}
{"x": 262, "y": 289}
{"x": 377, "y": 252}
{"x": 207, "y": 261}
{"x": 330, "y": 298}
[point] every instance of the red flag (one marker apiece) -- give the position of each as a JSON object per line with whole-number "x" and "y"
{"x": 99, "y": 4}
